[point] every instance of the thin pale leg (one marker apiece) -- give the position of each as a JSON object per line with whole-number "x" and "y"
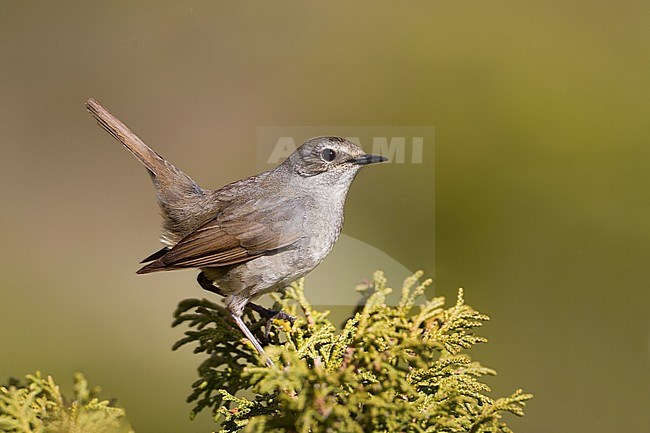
{"x": 247, "y": 332}
{"x": 206, "y": 284}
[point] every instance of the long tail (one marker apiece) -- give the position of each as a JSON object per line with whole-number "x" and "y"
{"x": 155, "y": 163}
{"x": 182, "y": 201}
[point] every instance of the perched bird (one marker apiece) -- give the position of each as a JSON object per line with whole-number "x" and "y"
{"x": 256, "y": 235}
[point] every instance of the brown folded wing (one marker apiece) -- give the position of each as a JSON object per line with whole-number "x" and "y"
{"x": 237, "y": 234}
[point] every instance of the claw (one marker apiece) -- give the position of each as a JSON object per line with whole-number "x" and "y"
{"x": 271, "y": 314}
{"x": 283, "y": 316}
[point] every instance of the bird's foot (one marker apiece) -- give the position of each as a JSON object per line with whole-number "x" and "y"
{"x": 281, "y": 315}
{"x": 269, "y": 314}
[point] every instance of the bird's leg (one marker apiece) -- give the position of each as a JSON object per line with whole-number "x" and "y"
{"x": 247, "y": 332}
{"x": 206, "y": 284}
{"x": 266, "y": 313}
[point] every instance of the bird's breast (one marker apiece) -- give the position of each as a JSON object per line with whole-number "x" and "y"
{"x": 322, "y": 226}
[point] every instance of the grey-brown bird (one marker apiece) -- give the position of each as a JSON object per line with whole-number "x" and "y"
{"x": 256, "y": 235}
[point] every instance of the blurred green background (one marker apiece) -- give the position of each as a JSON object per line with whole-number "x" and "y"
{"x": 542, "y": 204}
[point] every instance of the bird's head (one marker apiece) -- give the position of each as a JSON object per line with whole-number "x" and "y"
{"x": 332, "y": 155}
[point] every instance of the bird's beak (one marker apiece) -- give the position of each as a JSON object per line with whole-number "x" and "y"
{"x": 367, "y": 159}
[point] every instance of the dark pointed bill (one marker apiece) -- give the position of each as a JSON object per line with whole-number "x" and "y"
{"x": 367, "y": 159}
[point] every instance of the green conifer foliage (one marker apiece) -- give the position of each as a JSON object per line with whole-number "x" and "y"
{"x": 396, "y": 368}
{"x": 37, "y": 406}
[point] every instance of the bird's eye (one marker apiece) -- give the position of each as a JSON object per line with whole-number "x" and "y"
{"x": 328, "y": 155}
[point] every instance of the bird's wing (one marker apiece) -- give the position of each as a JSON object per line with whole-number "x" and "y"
{"x": 239, "y": 233}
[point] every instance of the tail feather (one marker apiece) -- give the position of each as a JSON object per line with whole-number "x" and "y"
{"x": 158, "y": 254}
{"x": 164, "y": 172}
{"x": 152, "y": 160}
{"x": 184, "y": 204}
{"x": 155, "y": 266}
